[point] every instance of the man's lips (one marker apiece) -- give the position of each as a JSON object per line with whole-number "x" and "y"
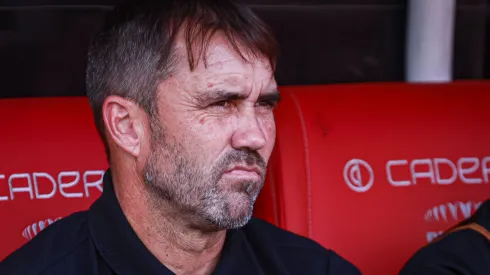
{"x": 245, "y": 172}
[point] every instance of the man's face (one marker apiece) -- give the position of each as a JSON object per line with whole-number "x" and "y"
{"x": 213, "y": 137}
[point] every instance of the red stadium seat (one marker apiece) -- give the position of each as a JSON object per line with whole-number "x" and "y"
{"x": 51, "y": 165}
{"x": 374, "y": 171}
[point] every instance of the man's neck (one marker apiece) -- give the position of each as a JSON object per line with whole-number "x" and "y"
{"x": 181, "y": 248}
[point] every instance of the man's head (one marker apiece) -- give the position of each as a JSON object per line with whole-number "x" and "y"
{"x": 182, "y": 93}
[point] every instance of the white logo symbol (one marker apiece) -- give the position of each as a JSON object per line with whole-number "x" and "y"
{"x": 452, "y": 211}
{"x": 32, "y": 230}
{"x": 353, "y": 176}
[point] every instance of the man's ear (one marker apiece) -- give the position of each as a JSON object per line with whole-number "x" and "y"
{"x": 124, "y": 123}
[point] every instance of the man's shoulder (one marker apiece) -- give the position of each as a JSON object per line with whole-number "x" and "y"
{"x": 467, "y": 251}
{"x": 297, "y": 249}
{"x": 49, "y": 247}
{"x": 482, "y": 215}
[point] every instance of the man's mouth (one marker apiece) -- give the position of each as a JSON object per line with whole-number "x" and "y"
{"x": 244, "y": 172}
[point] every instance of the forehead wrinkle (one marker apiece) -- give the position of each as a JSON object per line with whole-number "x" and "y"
{"x": 218, "y": 63}
{"x": 237, "y": 71}
{"x": 218, "y": 52}
{"x": 211, "y": 55}
{"x": 229, "y": 78}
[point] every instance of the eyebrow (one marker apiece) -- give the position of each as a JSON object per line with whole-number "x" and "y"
{"x": 223, "y": 95}
{"x": 271, "y": 97}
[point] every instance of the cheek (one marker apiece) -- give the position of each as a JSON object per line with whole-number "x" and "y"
{"x": 267, "y": 123}
{"x": 268, "y": 126}
{"x": 206, "y": 137}
{"x": 215, "y": 126}
{"x": 198, "y": 126}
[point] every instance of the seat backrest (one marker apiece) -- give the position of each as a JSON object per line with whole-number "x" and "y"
{"x": 375, "y": 171}
{"x": 51, "y": 164}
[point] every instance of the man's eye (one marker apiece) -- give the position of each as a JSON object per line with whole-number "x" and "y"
{"x": 225, "y": 104}
{"x": 266, "y": 104}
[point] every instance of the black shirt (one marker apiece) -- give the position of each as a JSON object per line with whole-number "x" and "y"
{"x": 460, "y": 252}
{"x": 100, "y": 241}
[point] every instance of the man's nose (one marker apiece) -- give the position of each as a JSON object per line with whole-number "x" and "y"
{"x": 248, "y": 134}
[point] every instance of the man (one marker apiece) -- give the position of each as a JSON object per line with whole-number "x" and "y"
{"x": 182, "y": 94}
{"x": 464, "y": 249}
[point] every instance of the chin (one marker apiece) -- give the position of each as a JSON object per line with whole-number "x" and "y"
{"x": 240, "y": 209}
{"x": 234, "y": 212}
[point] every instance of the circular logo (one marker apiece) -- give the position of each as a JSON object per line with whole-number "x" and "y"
{"x": 353, "y": 175}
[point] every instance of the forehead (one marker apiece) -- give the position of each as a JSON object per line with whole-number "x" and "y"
{"x": 220, "y": 63}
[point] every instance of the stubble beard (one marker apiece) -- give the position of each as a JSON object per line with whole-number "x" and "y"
{"x": 201, "y": 196}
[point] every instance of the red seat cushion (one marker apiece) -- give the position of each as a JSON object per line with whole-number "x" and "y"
{"x": 416, "y": 157}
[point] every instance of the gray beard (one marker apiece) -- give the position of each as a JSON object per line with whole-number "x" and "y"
{"x": 196, "y": 194}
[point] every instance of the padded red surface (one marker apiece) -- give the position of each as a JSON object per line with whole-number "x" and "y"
{"x": 51, "y": 164}
{"x": 432, "y": 141}
{"x": 51, "y": 144}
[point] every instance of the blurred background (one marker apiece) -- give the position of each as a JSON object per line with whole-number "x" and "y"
{"x": 43, "y": 42}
